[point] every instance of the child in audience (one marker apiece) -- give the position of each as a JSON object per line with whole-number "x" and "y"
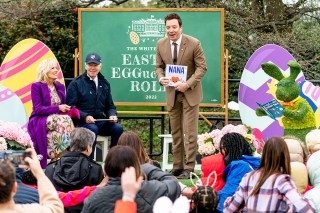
{"x": 130, "y": 186}
{"x": 270, "y": 188}
{"x": 296, "y": 149}
{"x": 209, "y": 164}
{"x": 132, "y": 139}
{"x": 298, "y": 158}
{"x": 205, "y": 200}
{"x": 156, "y": 183}
{"x": 238, "y": 159}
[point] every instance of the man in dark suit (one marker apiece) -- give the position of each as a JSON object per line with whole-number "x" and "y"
{"x": 182, "y": 99}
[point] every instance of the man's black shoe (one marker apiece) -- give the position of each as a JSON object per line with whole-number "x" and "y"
{"x": 176, "y": 172}
{"x": 185, "y": 174}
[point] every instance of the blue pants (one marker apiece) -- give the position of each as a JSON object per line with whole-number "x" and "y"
{"x": 105, "y": 129}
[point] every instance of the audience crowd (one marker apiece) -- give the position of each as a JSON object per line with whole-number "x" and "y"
{"x": 131, "y": 182}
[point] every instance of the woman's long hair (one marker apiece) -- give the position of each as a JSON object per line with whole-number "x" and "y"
{"x": 275, "y": 160}
{"x": 119, "y": 158}
{"x": 132, "y": 139}
{"x": 234, "y": 146}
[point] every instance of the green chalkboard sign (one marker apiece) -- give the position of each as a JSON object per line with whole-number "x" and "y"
{"x": 126, "y": 40}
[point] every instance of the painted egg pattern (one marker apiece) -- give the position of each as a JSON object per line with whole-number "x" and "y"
{"x": 19, "y": 69}
{"x": 258, "y": 87}
{"x": 11, "y": 107}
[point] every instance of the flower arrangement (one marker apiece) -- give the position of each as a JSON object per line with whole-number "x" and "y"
{"x": 209, "y": 143}
{"x": 13, "y": 137}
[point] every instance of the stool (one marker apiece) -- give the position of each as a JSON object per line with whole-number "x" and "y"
{"x": 167, "y": 139}
{"x": 102, "y": 143}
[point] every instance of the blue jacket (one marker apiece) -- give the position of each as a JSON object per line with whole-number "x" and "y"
{"x": 97, "y": 102}
{"x": 25, "y": 194}
{"x": 234, "y": 172}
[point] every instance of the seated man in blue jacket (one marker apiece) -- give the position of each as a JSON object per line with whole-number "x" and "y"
{"x": 91, "y": 94}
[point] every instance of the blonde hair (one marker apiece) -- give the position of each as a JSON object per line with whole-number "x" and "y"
{"x": 43, "y": 69}
{"x": 313, "y": 140}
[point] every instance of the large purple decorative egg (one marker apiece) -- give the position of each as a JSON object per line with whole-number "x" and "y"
{"x": 258, "y": 87}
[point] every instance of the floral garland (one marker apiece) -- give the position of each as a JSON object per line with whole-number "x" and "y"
{"x": 13, "y": 137}
{"x": 209, "y": 143}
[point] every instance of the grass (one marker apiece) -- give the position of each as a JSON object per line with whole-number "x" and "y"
{"x": 187, "y": 182}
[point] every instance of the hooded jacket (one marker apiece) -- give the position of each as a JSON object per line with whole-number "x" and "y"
{"x": 234, "y": 173}
{"x": 74, "y": 170}
{"x": 313, "y": 166}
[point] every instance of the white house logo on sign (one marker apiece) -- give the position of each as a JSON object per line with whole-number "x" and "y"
{"x": 146, "y": 30}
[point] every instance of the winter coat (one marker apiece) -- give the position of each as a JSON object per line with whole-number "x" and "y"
{"x": 296, "y": 150}
{"x": 25, "y": 194}
{"x": 299, "y": 175}
{"x": 42, "y": 108}
{"x": 83, "y": 94}
{"x": 233, "y": 173}
{"x": 210, "y": 164}
{"x": 313, "y": 195}
{"x": 74, "y": 170}
{"x": 156, "y": 184}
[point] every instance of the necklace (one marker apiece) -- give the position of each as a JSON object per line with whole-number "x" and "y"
{"x": 51, "y": 87}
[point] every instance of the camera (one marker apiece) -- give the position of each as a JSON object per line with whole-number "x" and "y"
{"x": 15, "y": 156}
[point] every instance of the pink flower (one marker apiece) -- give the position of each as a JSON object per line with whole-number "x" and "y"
{"x": 258, "y": 144}
{"x": 3, "y": 144}
{"x": 12, "y": 131}
{"x": 209, "y": 143}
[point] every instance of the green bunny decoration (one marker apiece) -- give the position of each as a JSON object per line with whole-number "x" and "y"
{"x": 298, "y": 116}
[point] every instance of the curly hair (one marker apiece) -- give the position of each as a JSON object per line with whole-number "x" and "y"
{"x": 205, "y": 199}
{"x": 234, "y": 145}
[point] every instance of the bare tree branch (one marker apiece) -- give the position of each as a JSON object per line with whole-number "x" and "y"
{"x": 299, "y": 3}
{"x": 118, "y": 2}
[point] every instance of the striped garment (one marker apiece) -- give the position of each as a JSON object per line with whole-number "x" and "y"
{"x": 277, "y": 194}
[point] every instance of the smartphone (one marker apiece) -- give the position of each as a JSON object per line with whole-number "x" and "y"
{"x": 17, "y": 156}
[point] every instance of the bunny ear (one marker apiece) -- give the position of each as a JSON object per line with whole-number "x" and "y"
{"x": 215, "y": 178}
{"x": 194, "y": 174}
{"x": 272, "y": 70}
{"x": 295, "y": 69}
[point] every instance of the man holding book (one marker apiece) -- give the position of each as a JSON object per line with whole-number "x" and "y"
{"x": 181, "y": 52}
{"x": 91, "y": 94}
